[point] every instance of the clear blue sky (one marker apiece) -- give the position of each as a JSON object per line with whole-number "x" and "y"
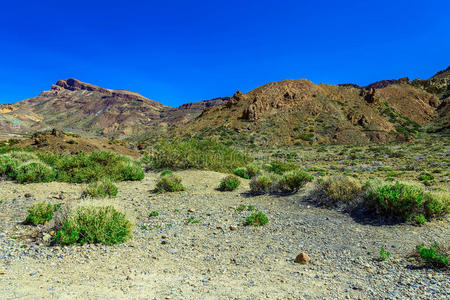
{"x": 180, "y": 51}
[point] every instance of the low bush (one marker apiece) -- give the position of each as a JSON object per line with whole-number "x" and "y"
{"x": 154, "y": 214}
{"x": 207, "y": 154}
{"x": 426, "y": 176}
{"x": 101, "y": 189}
{"x": 384, "y": 255}
{"x": 343, "y": 189}
{"x": 23, "y": 156}
{"x": 257, "y": 219}
{"x": 166, "y": 172}
{"x": 95, "y": 166}
{"x": 279, "y": 167}
{"x": 229, "y": 183}
{"x": 292, "y": 181}
{"x": 261, "y": 185}
{"x": 34, "y": 171}
{"x": 40, "y": 213}
{"x": 406, "y": 202}
{"x": 78, "y": 168}
{"x": 241, "y": 172}
{"x": 87, "y": 224}
{"x": 8, "y": 165}
{"x": 169, "y": 183}
{"x": 248, "y": 172}
{"x": 432, "y": 255}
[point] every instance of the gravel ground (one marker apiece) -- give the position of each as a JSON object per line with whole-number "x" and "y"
{"x": 218, "y": 257}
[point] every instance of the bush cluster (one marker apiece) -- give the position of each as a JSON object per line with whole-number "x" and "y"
{"x": 289, "y": 182}
{"x": 406, "y": 202}
{"x": 101, "y": 189}
{"x": 432, "y": 255}
{"x": 207, "y": 154}
{"x": 26, "y": 167}
{"x": 247, "y": 172}
{"x": 292, "y": 181}
{"x": 104, "y": 225}
{"x": 280, "y": 167}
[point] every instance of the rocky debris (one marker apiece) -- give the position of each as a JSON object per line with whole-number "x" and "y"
{"x": 7, "y": 108}
{"x": 369, "y": 96}
{"x": 200, "y": 260}
{"x": 302, "y": 258}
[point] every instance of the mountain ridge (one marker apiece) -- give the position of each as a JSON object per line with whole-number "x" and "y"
{"x": 285, "y": 112}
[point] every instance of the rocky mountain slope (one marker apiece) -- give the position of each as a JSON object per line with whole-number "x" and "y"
{"x": 76, "y": 106}
{"x": 285, "y": 112}
{"x": 301, "y": 112}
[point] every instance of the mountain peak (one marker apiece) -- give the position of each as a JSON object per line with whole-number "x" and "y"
{"x": 75, "y": 84}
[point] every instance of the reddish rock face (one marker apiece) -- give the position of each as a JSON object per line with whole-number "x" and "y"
{"x": 75, "y": 84}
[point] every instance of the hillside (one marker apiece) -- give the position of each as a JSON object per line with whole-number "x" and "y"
{"x": 84, "y": 108}
{"x": 301, "y": 112}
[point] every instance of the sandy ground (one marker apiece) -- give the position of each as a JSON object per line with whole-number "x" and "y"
{"x": 218, "y": 257}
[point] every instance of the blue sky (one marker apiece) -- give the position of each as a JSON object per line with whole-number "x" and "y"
{"x": 181, "y": 51}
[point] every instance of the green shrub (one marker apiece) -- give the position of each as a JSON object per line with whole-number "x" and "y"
{"x": 129, "y": 171}
{"x": 406, "y": 202}
{"x": 104, "y": 225}
{"x": 229, "y": 183}
{"x": 205, "y": 154}
{"x": 166, "y": 172}
{"x": 420, "y": 219}
{"x": 23, "y": 156}
{"x": 261, "y": 185}
{"x": 279, "y": 167}
{"x": 34, "y": 171}
{"x": 292, "y": 181}
{"x": 169, "y": 183}
{"x": 341, "y": 188}
{"x": 241, "y": 207}
{"x": 8, "y": 165}
{"x": 77, "y": 168}
{"x": 432, "y": 256}
{"x": 153, "y": 214}
{"x": 40, "y": 213}
{"x": 257, "y": 219}
{"x": 384, "y": 255}
{"x": 247, "y": 172}
{"x": 241, "y": 172}
{"x": 95, "y": 166}
{"x": 192, "y": 220}
{"x": 101, "y": 189}
{"x": 426, "y": 176}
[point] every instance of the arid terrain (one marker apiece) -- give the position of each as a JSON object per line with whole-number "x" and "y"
{"x": 198, "y": 246}
{"x": 217, "y": 257}
{"x": 293, "y": 190}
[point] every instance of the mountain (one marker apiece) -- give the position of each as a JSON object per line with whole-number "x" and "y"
{"x": 285, "y": 112}
{"x": 76, "y": 106}
{"x": 301, "y": 112}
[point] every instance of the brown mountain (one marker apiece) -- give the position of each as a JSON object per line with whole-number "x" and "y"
{"x": 299, "y": 111}
{"x": 76, "y": 106}
{"x": 284, "y": 112}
